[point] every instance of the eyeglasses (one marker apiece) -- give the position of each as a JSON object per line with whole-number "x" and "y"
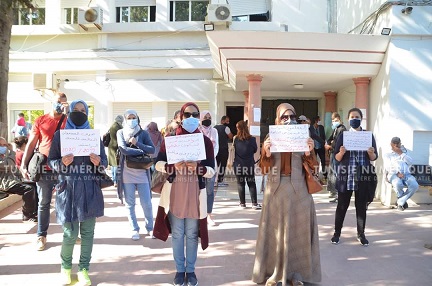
{"x": 193, "y": 114}
{"x": 286, "y": 116}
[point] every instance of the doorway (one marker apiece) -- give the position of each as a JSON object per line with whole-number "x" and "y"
{"x": 235, "y": 114}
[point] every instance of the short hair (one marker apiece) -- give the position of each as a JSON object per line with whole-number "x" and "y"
{"x": 176, "y": 114}
{"x": 335, "y": 115}
{"x": 224, "y": 117}
{"x": 21, "y": 114}
{"x": 20, "y": 140}
{"x": 315, "y": 119}
{"x": 354, "y": 109}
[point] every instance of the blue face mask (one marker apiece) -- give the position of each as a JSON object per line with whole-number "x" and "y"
{"x": 355, "y": 123}
{"x": 132, "y": 123}
{"x": 3, "y": 150}
{"x": 190, "y": 124}
{"x": 58, "y": 107}
{"x": 335, "y": 124}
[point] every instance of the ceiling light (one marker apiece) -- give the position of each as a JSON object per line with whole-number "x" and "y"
{"x": 385, "y": 31}
{"x": 208, "y": 27}
{"x": 298, "y": 86}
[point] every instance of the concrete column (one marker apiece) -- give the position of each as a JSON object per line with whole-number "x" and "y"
{"x": 362, "y": 97}
{"x": 246, "y": 105}
{"x": 254, "y": 81}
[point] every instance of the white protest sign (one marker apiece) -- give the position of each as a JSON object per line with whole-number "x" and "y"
{"x": 360, "y": 141}
{"x": 189, "y": 147}
{"x": 80, "y": 142}
{"x": 289, "y": 138}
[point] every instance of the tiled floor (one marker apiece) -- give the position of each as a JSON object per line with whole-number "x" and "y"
{"x": 396, "y": 255}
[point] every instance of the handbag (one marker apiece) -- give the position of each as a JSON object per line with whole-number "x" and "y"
{"x": 105, "y": 181}
{"x": 139, "y": 162}
{"x": 312, "y": 180}
{"x": 158, "y": 180}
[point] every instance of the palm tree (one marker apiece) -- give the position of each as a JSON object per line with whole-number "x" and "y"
{"x": 6, "y": 21}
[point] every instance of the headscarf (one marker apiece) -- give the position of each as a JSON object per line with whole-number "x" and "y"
{"x": 204, "y": 129}
{"x": 283, "y": 107}
{"x": 119, "y": 119}
{"x": 180, "y": 131}
{"x": 154, "y": 132}
{"x": 128, "y": 132}
{"x": 70, "y": 124}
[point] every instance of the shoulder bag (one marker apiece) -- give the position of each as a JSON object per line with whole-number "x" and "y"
{"x": 38, "y": 160}
{"x": 143, "y": 161}
{"x": 312, "y": 180}
{"x": 158, "y": 180}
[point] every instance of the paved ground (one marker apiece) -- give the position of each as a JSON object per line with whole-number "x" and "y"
{"x": 396, "y": 254}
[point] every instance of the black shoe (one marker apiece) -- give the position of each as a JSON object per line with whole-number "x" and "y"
{"x": 362, "y": 239}
{"x": 257, "y": 206}
{"x": 335, "y": 200}
{"x": 335, "y": 238}
{"x": 405, "y": 206}
{"x": 191, "y": 278}
{"x": 29, "y": 219}
{"x": 179, "y": 279}
{"x": 243, "y": 206}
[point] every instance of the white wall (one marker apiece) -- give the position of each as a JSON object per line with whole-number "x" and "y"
{"x": 353, "y": 12}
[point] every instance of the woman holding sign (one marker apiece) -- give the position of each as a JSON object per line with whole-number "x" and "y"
{"x": 183, "y": 203}
{"x": 79, "y": 199}
{"x": 351, "y": 179}
{"x": 287, "y": 248}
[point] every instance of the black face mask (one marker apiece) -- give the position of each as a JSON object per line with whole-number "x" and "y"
{"x": 78, "y": 118}
{"x": 226, "y": 124}
{"x": 206, "y": 122}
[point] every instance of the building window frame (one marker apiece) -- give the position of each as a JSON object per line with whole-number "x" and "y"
{"x": 70, "y": 15}
{"x": 23, "y": 16}
{"x": 151, "y": 14}
{"x": 191, "y": 10}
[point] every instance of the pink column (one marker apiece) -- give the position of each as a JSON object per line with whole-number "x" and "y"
{"x": 254, "y": 81}
{"x": 330, "y": 103}
{"x": 246, "y": 105}
{"x": 362, "y": 97}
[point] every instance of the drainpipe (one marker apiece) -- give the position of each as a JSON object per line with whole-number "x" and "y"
{"x": 332, "y": 16}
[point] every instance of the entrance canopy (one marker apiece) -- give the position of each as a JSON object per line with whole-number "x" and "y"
{"x": 318, "y": 61}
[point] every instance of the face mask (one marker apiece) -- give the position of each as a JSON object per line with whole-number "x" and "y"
{"x": 335, "y": 124}
{"x": 190, "y": 124}
{"x": 290, "y": 122}
{"x": 319, "y": 122}
{"x": 78, "y": 118}
{"x": 206, "y": 122}
{"x": 132, "y": 123}
{"x": 226, "y": 124}
{"x": 3, "y": 150}
{"x": 355, "y": 123}
{"x": 58, "y": 107}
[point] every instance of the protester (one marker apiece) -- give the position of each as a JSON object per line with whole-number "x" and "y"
{"x": 287, "y": 247}
{"x": 133, "y": 141}
{"x": 225, "y": 134}
{"x": 20, "y": 127}
{"x": 41, "y": 136}
{"x": 318, "y": 135}
{"x": 182, "y": 207}
{"x": 350, "y": 177}
{"x": 79, "y": 200}
{"x": 156, "y": 137}
{"x": 113, "y": 147}
{"x": 20, "y": 143}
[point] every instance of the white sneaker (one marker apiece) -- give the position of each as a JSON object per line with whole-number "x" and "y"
{"x": 65, "y": 276}
{"x": 41, "y": 242}
{"x": 135, "y": 235}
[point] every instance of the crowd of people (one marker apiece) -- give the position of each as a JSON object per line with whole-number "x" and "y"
{"x": 282, "y": 254}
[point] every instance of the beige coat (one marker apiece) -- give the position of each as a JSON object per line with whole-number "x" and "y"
{"x": 288, "y": 239}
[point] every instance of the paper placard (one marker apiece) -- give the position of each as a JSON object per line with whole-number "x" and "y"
{"x": 289, "y": 138}
{"x": 189, "y": 147}
{"x": 255, "y": 130}
{"x": 359, "y": 141}
{"x": 257, "y": 114}
{"x": 80, "y": 142}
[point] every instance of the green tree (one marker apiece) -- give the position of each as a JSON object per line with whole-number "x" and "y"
{"x": 6, "y": 21}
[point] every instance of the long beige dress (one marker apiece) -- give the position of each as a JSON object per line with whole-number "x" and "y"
{"x": 288, "y": 239}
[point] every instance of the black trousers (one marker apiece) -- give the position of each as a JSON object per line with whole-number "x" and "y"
{"x": 344, "y": 199}
{"x": 221, "y": 159}
{"x": 29, "y": 197}
{"x": 321, "y": 154}
{"x": 241, "y": 188}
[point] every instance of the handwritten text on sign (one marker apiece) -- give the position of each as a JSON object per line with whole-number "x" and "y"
{"x": 79, "y": 142}
{"x": 357, "y": 140}
{"x": 289, "y": 138}
{"x": 189, "y": 147}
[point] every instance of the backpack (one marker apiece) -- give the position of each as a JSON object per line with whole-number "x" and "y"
{"x": 106, "y": 138}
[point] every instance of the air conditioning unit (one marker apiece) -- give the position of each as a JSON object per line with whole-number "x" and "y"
{"x": 88, "y": 17}
{"x": 219, "y": 13}
{"x": 42, "y": 81}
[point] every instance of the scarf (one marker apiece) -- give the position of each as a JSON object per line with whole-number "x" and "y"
{"x": 70, "y": 124}
{"x": 128, "y": 132}
{"x": 155, "y": 135}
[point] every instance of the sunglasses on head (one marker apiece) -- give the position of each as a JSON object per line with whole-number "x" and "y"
{"x": 286, "y": 116}
{"x": 193, "y": 114}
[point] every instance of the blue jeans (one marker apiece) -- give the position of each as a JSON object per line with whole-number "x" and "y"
{"x": 70, "y": 234}
{"x": 114, "y": 173}
{"x": 45, "y": 189}
{"x": 146, "y": 204}
{"x": 398, "y": 184}
{"x": 181, "y": 227}
{"x": 210, "y": 193}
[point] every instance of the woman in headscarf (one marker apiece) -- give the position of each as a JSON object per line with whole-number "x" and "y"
{"x": 79, "y": 199}
{"x": 133, "y": 141}
{"x": 113, "y": 147}
{"x": 287, "y": 248}
{"x": 212, "y": 134}
{"x": 183, "y": 203}
{"x": 156, "y": 137}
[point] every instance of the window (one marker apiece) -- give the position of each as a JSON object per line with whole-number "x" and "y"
{"x": 188, "y": 10}
{"x": 71, "y": 15}
{"x": 24, "y": 16}
{"x": 252, "y": 18}
{"x": 132, "y": 14}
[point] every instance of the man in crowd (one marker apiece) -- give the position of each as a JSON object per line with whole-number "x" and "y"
{"x": 41, "y": 135}
{"x": 225, "y": 134}
{"x": 318, "y": 135}
{"x": 398, "y": 165}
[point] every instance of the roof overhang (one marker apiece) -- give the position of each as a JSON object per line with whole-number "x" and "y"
{"x": 321, "y": 62}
